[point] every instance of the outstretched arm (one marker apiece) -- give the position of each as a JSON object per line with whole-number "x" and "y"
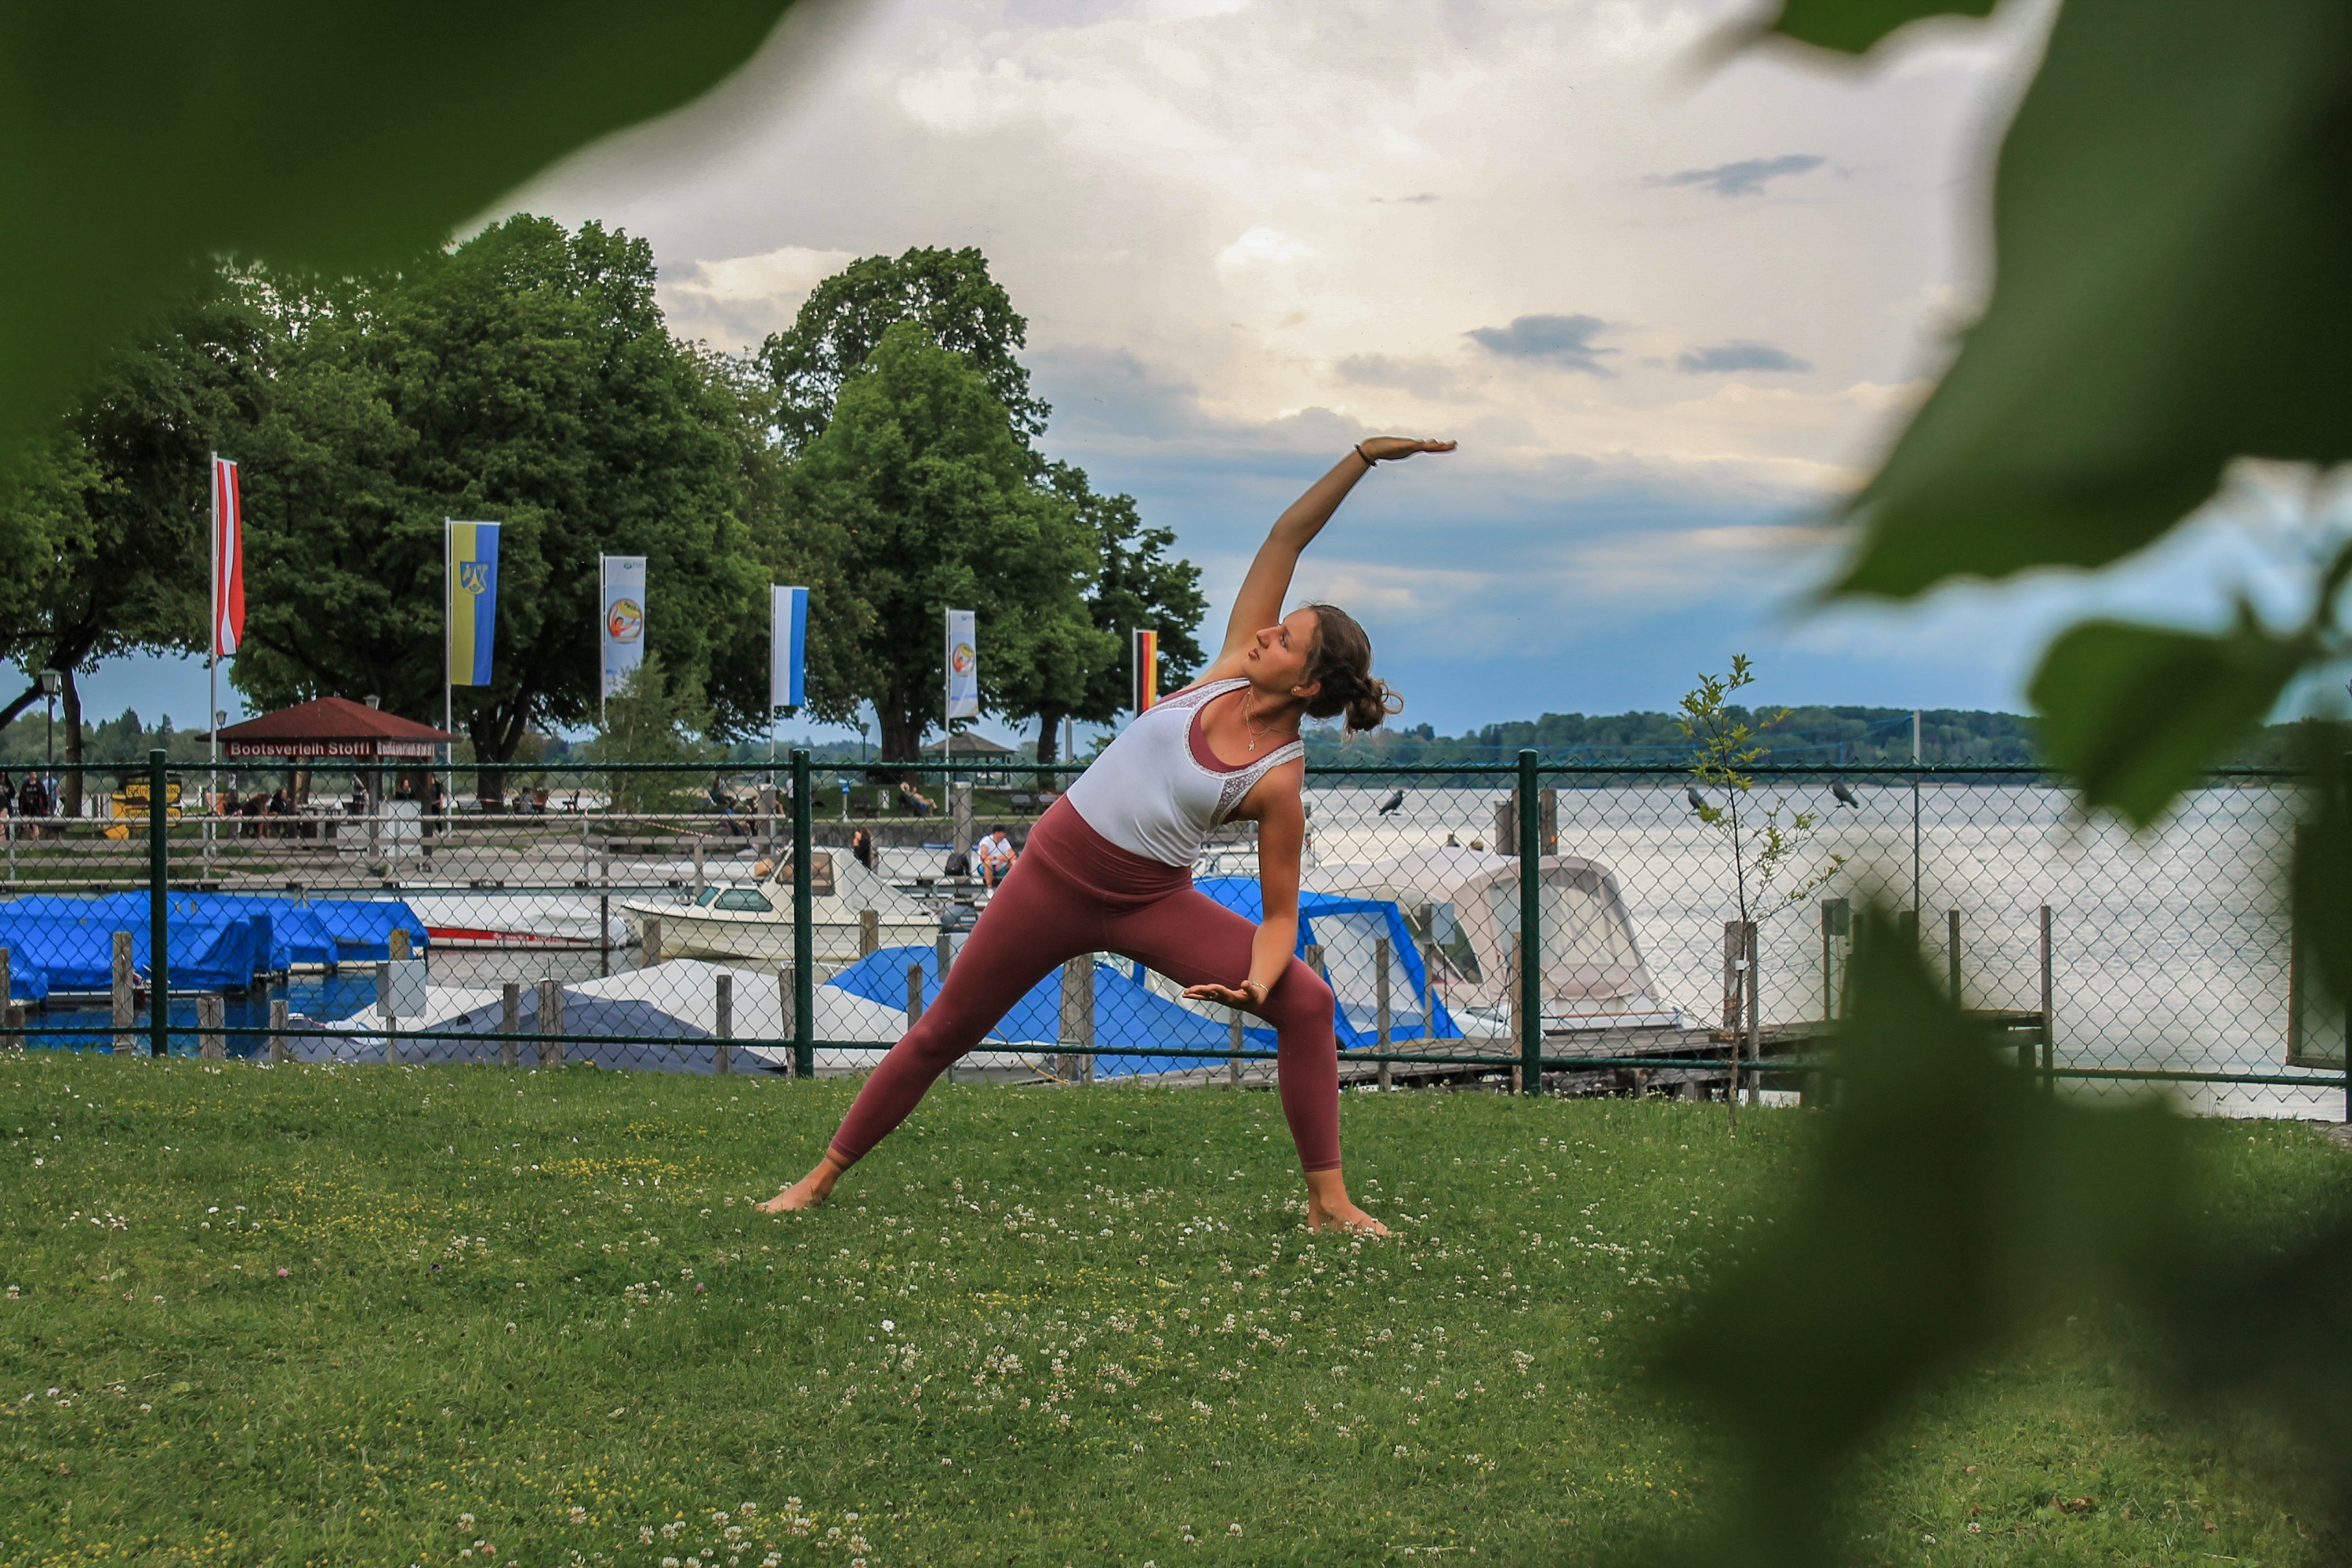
{"x": 1259, "y": 603}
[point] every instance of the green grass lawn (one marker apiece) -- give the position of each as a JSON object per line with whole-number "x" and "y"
{"x": 368, "y": 1316}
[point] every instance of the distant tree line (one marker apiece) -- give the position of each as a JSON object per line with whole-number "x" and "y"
{"x": 1852, "y": 737}
{"x": 882, "y": 451}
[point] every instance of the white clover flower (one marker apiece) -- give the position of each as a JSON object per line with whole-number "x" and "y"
{"x": 1235, "y": 1529}
{"x": 579, "y": 1516}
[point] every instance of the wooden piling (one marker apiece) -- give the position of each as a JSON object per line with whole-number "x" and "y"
{"x": 212, "y": 1019}
{"x": 1076, "y": 1060}
{"x": 1381, "y": 1002}
{"x": 551, "y": 1023}
{"x": 279, "y": 1014}
{"x": 650, "y": 944}
{"x": 869, "y": 933}
{"x": 1952, "y": 953}
{"x": 383, "y": 1003}
{"x": 125, "y": 994}
{"x": 1233, "y": 1062}
{"x": 723, "y": 1009}
{"x": 1755, "y": 1016}
{"x": 2050, "y": 1013}
{"x": 914, "y": 995}
{"x": 510, "y": 1023}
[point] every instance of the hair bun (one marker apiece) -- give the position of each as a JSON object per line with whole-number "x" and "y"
{"x": 1370, "y": 705}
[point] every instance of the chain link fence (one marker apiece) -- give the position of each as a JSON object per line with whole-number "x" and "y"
{"x": 794, "y": 918}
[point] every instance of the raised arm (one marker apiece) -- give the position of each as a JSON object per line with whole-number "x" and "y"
{"x": 1259, "y": 603}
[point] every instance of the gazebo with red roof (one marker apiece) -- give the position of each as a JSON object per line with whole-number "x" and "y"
{"x": 333, "y": 729}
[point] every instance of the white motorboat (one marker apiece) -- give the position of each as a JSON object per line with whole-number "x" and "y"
{"x": 753, "y": 920}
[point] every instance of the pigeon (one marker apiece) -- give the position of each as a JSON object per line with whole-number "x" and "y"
{"x": 1395, "y": 799}
{"x": 1698, "y": 802}
{"x": 1844, "y": 792}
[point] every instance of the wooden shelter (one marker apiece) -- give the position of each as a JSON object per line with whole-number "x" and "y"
{"x": 333, "y": 729}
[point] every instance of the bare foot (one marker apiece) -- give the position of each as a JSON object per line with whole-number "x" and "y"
{"x": 810, "y": 1190}
{"x": 1328, "y": 1207}
{"x": 1347, "y": 1217}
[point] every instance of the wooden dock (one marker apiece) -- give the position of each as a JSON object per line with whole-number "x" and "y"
{"x": 1692, "y": 1064}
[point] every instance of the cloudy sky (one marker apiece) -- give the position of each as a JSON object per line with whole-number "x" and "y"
{"x": 1671, "y": 305}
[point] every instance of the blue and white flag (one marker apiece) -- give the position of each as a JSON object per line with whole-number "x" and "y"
{"x": 962, "y": 665}
{"x": 788, "y": 648}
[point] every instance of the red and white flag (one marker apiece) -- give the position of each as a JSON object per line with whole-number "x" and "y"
{"x": 228, "y": 559}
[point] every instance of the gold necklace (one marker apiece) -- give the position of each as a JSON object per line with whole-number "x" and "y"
{"x": 1248, "y": 693}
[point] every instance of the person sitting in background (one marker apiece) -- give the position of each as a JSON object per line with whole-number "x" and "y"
{"x": 995, "y": 854}
{"x": 861, "y": 846}
{"x": 915, "y": 800}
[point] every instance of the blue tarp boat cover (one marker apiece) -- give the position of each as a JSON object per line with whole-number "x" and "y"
{"x": 218, "y": 941}
{"x": 1129, "y": 1014}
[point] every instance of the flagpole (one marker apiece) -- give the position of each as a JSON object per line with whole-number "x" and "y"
{"x": 212, "y": 672}
{"x": 448, "y": 646}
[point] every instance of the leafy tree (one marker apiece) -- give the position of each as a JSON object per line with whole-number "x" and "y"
{"x": 841, "y": 324}
{"x": 1725, "y": 744}
{"x": 922, "y": 476}
{"x": 652, "y": 719}
{"x": 1137, "y": 586}
{"x": 106, "y": 521}
{"x": 526, "y": 377}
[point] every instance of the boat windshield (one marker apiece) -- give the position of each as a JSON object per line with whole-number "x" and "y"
{"x": 704, "y": 897}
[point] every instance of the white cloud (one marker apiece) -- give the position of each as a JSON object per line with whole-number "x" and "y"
{"x": 744, "y": 297}
{"x": 1244, "y": 233}
{"x": 1261, "y": 249}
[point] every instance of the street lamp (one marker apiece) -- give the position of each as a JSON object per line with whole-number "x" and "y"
{"x": 52, "y": 682}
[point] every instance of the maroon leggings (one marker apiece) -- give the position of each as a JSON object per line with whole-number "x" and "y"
{"x": 1073, "y": 892}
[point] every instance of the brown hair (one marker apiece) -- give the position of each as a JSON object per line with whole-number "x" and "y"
{"x": 1341, "y": 659}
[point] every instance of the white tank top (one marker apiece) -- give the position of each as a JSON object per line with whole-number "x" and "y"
{"x": 1151, "y": 793}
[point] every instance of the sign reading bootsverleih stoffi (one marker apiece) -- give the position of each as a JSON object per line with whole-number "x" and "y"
{"x": 962, "y": 665}
{"x": 621, "y": 618}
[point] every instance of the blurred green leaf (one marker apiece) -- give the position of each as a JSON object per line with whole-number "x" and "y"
{"x": 1949, "y": 1205}
{"x": 2260, "y": 1324}
{"x": 2136, "y": 713}
{"x": 2173, "y": 285}
{"x": 1852, "y": 27}
{"x": 137, "y": 138}
{"x": 2322, "y": 877}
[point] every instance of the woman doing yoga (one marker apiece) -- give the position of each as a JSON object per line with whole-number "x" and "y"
{"x": 1109, "y": 868}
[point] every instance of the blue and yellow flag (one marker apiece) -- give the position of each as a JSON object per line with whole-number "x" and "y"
{"x": 473, "y": 600}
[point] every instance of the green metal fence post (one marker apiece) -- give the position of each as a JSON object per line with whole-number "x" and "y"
{"x": 804, "y": 925}
{"x": 1531, "y": 959}
{"x": 158, "y": 913}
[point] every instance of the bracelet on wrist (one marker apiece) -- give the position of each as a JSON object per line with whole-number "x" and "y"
{"x": 1370, "y": 462}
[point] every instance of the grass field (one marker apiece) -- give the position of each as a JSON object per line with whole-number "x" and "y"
{"x": 435, "y": 1316}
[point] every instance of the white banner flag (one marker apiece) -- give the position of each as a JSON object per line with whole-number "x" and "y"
{"x": 787, "y": 646}
{"x": 962, "y": 665}
{"x": 620, "y": 621}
